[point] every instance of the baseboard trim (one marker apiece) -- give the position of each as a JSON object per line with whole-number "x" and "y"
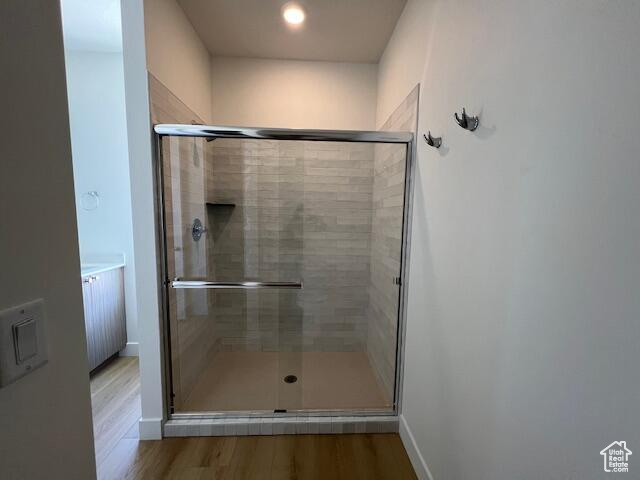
{"x": 130, "y": 350}
{"x": 150, "y": 428}
{"x": 417, "y": 460}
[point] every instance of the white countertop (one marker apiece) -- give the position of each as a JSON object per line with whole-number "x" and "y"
{"x": 95, "y": 268}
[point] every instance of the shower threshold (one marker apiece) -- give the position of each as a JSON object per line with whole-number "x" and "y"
{"x": 293, "y": 425}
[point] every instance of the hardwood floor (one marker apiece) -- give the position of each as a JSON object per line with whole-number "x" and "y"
{"x": 314, "y": 457}
{"x": 115, "y": 402}
{"x": 121, "y": 455}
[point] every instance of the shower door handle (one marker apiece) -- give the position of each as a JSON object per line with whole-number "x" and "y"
{"x": 245, "y": 285}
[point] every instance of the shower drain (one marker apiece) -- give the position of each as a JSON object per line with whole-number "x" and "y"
{"x": 290, "y": 379}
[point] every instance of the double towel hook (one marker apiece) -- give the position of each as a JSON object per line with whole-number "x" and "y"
{"x": 435, "y": 142}
{"x": 467, "y": 122}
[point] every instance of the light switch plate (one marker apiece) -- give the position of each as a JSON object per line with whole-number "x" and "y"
{"x": 23, "y": 343}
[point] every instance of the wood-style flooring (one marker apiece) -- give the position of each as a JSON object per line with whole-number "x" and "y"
{"x": 317, "y": 457}
{"x": 115, "y": 403}
{"x": 121, "y": 454}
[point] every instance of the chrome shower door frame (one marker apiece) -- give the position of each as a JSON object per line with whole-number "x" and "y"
{"x": 164, "y": 283}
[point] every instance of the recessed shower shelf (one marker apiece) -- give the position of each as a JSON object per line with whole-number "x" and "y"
{"x": 227, "y": 205}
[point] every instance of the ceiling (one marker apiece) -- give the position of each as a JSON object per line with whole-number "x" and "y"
{"x": 334, "y": 30}
{"x": 92, "y": 25}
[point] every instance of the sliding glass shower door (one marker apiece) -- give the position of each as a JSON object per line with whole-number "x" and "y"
{"x": 283, "y": 267}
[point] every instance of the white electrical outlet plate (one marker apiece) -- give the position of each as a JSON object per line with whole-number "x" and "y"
{"x": 23, "y": 343}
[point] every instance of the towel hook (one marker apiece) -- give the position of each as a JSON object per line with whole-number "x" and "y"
{"x": 435, "y": 142}
{"x": 467, "y": 122}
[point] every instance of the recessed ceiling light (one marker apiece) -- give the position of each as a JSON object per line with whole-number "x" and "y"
{"x": 293, "y": 13}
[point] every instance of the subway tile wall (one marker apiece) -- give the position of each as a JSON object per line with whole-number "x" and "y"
{"x": 192, "y": 331}
{"x": 386, "y": 244}
{"x": 289, "y": 211}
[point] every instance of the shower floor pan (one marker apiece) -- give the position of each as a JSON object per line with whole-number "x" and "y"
{"x": 255, "y": 381}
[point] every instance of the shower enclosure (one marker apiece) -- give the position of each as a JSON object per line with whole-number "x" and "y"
{"x": 283, "y": 265}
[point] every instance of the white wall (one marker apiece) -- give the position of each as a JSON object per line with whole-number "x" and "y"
{"x": 176, "y": 56}
{"x": 293, "y": 94}
{"x": 156, "y": 36}
{"x": 95, "y": 82}
{"x": 403, "y": 60}
{"x": 522, "y": 338}
{"x": 45, "y": 417}
{"x": 144, "y": 221}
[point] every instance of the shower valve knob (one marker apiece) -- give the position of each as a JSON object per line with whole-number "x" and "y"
{"x": 197, "y": 230}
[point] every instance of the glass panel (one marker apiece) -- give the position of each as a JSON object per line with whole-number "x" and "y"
{"x": 328, "y": 214}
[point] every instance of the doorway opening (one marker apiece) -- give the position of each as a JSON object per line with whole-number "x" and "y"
{"x": 97, "y": 116}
